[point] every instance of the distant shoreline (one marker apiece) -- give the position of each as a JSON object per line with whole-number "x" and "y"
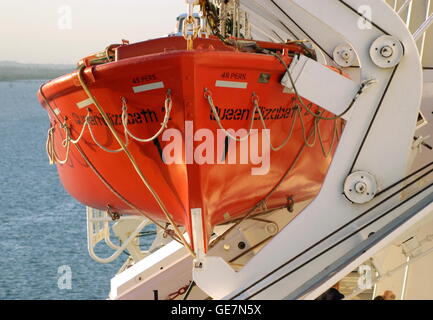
{"x": 13, "y": 71}
{"x": 26, "y": 80}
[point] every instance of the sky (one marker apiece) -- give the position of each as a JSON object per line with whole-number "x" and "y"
{"x": 63, "y": 31}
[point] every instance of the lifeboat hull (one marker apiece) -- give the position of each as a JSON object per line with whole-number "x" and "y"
{"x": 197, "y": 176}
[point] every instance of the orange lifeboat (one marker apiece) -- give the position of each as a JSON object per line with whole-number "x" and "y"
{"x": 161, "y": 131}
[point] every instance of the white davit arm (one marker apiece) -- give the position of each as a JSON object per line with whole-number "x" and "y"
{"x": 378, "y": 132}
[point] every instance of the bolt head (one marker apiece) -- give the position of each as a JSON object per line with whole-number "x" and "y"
{"x": 360, "y": 187}
{"x": 345, "y": 55}
{"x": 271, "y": 228}
{"x": 386, "y": 52}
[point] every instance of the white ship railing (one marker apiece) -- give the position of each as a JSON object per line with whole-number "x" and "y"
{"x": 407, "y": 12}
{"x": 99, "y": 230}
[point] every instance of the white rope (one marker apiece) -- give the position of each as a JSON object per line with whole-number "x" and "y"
{"x": 48, "y": 145}
{"x": 208, "y": 96}
{"x": 289, "y": 136}
{"x": 304, "y": 133}
{"x": 316, "y": 133}
{"x": 53, "y": 157}
{"x": 101, "y": 146}
{"x": 51, "y": 151}
{"x": 83, "y": 129}
{"x": 168, "y": 108}
{"x": 262, "y": 120}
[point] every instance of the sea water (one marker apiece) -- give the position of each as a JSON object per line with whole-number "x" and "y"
{"x": 42, "y": 228}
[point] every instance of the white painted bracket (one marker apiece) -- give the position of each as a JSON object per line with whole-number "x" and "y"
{"x": 198, "y": 235}
{"x": 321, "y": 85}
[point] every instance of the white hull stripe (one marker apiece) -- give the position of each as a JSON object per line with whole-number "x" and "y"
{"x": 148, "y": 87}
{"x": 231, "y": 84}
{"x": 85, "y": 103}
{"x": 56, "y": 111}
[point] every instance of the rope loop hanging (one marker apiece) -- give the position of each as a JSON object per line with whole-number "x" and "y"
{"x": 208, "y": 97}
{"x": 309, "y": 141}
{"x": 50, "y": 147}
{"x": 168, "y": 108}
